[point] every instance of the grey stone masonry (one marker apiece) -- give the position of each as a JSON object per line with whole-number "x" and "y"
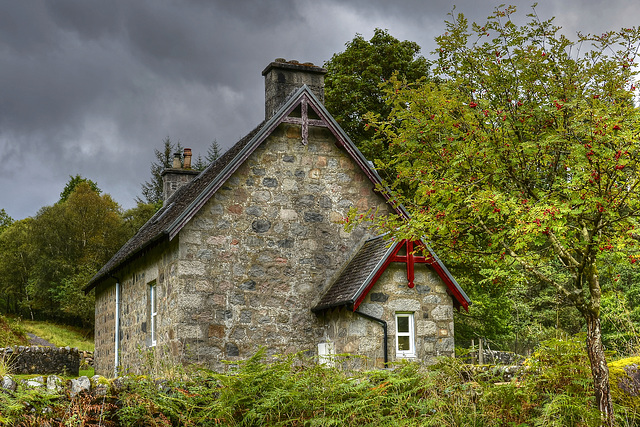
{"x": 428, "y": 301}
{"x": 283, "y": 77}
{"x": 42, "y": 360}
{"x": 173, "y": 179}
{"x": 262, "y": 251}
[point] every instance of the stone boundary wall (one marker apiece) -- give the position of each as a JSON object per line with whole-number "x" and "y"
{"x": 55, "y": 384}
{"x": 42, "y": 360}
{"x": 86, "y": 359}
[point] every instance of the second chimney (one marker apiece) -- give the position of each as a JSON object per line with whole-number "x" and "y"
{"x": 177, "y": 175}
{"x": 282, "y": 77}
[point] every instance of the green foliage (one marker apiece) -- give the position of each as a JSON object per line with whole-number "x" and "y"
{"x": 47, "y": 260}
{"x": 25, "y": 407}
{"x": 624, "y": 383}
{"x": 5, "y": 220}
{"x": 135, "y": 218}
{"x": 213, "y": 152}
{"x": 70, "y": 241}
{"x": 293, "y": 390}
{"x": 16, "y": 259}
{"x": 353, "y": 79}
{"x": 621, "y": 309}
{"x": 524, "y": 154}
{"x": 74, "y": 181}
{"x": 558, "y": 374}
{"x": 11, "y": 333}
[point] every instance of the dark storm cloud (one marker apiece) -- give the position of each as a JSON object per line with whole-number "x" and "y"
{"x": 92, "y": 87}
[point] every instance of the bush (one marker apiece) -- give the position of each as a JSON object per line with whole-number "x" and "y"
{"x": 624, "y": 380}
{"x": 555, "y": 389}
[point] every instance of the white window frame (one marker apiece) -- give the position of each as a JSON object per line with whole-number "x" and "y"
{"x": 153, "y": 311}
{"x": 411, "y": 334}
{"x": 326, "y": 353}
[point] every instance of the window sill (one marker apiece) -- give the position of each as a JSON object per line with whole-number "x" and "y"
{"x": 406, "y": 356}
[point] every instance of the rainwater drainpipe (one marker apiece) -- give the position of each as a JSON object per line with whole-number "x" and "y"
{"x": 384, "y": 331}
{"x": 116, "y": 361}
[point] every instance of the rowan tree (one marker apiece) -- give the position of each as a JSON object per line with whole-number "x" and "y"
{"x": 525, "y": 154}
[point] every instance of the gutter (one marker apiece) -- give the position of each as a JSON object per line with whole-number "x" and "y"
{"x": 384, "y": 331}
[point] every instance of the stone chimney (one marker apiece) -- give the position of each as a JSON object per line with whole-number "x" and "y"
{"x": 177, "y": 175}
{"x": 282, "y": 77}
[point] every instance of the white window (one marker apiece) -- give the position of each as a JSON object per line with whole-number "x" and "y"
{"x": 153, "y": 311}
{"x": 326, "y": 351}
{"x": 405, "y": 337}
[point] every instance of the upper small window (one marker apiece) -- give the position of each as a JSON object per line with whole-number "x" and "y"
{"x": 405, "y": 337}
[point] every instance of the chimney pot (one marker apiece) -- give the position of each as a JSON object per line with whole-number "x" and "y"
{"x": 187, "y": 158}
{"x": 177, "y": 176}
{"x": 177, "y": 164}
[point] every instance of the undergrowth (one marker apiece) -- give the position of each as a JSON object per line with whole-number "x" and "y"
{"x": 11, "y": 333}
{"x": 554, "y": 389}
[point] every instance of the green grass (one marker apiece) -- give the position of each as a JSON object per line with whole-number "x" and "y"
{"x": 87, "y": 372}
{"x": 60, "y": 335}
{"x": 11, "y": 333}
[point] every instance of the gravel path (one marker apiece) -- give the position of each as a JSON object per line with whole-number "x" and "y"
{"x": 35, "y": 340}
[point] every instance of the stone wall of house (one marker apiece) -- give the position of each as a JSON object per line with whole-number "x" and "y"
{"x": 104, "y": 337}
{"x": 42, "y": 360}
{"x": 158, "y": 267}
{"x": 262, "y": 251}
{"x": 429, "y": 302}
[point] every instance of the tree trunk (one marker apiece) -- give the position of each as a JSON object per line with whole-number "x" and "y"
{"x": 599, "y": 367}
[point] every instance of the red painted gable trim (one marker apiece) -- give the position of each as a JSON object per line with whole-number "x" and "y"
{"x": 411, "y": 259}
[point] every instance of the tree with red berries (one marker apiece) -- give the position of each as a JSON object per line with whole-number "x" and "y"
{"x": 524, "y": 152}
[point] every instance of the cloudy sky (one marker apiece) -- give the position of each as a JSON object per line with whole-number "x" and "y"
{"x": 92, "y": 87}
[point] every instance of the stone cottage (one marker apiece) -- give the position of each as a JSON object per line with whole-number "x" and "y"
{"x": 251, "y": 252}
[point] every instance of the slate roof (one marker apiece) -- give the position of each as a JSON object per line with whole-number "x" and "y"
{"x": 159, "y": 226}
{"x": 356, "y": 278}
{"x": 358, "y": 272}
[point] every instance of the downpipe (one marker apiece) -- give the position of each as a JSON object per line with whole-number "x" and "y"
{"x": 116, "y": 361}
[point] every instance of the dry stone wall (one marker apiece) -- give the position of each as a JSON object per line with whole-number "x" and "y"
{"x": 42, "y": 360}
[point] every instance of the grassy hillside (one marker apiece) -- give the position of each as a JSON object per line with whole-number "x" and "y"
{"x": 60, "y": 335}
{"x": 11, "y": 333}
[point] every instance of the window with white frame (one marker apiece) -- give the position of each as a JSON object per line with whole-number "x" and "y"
{"x": 326, "y": 353}
{"x": 153, "y": 311}
{"x": 405, "y": 336}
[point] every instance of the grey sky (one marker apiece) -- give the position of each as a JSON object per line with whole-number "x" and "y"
{"x": 92, "y": 87}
